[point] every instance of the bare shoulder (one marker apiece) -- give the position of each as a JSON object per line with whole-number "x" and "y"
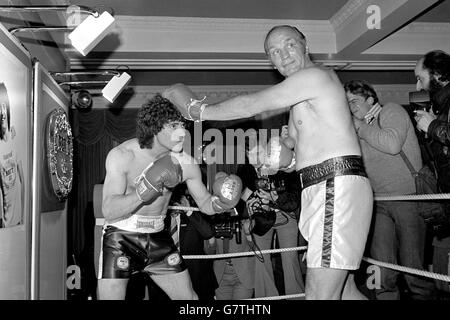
{"x": 317, "y": 73}
{"x": 120, "y": 156}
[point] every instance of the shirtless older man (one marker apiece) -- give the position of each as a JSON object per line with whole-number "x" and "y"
{"x": 140, "y": 174}
{"x": 336, "y": 194}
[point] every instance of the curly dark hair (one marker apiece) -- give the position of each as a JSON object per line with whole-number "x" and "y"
{"x": 152, "y": 117}
{"x": 437, "y": 62}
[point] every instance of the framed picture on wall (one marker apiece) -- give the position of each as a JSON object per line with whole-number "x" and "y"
{"x": 54, "y": 145}
{"x": 15, "y": 166}
{"x": 15, "y": 120}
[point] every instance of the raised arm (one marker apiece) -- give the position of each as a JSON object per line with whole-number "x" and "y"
{"x": 301, "y": 86}
{"x": 117, "y": 203}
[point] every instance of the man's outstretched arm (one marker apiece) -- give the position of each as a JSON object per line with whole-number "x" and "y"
{"x": 301, "y": 86}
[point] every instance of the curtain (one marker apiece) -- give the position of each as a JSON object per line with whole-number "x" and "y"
{"x": 96, "y": 132}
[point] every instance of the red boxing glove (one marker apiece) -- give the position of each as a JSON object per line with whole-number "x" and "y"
{"x": 227, "y": 189}
{"x": 166, "y": 172}
{"x": 185, "y": 101}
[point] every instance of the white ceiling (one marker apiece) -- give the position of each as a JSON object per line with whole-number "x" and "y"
{"x": 228, "y": 34}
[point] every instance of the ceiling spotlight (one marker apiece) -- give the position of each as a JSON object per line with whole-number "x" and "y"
{"x": 82, "y": 99}
{"x": 113, "y": 87}
{"x": 90, "y": 32}
{"x": 84, "y": 37}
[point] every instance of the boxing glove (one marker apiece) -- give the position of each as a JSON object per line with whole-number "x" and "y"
{"x": 165, "y": 172}
{"x": 288, "y": 142}
{"x": 185, "y": 101}
{"x": 278, "y": 155}
{"x": 227, "y": 191}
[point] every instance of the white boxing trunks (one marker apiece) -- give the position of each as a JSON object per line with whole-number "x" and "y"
{"x": 337, "y": 202}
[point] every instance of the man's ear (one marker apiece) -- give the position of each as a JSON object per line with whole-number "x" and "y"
{"x": 370, "y": 101}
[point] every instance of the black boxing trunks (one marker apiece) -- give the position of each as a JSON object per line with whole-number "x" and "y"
{"x": 336, "y": 212}
{"x": 124, "y": 252}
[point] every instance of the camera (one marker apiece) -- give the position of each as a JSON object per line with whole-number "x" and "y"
{"x": 227, "y": 224}
{"x": 420, "y": 100}
{"x": 268, "y": 184}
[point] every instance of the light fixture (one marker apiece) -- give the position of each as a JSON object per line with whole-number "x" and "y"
{"x": 82, "y": 99}
{"x": 84, "y": 37}
{"x": 113, "y": 87}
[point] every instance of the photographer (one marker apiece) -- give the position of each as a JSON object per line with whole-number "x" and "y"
{"x": 272, "y": 200}
{"x": 387, "y": 138}
{"x": 433, "y": 75}
{"x": 235, "y": 276}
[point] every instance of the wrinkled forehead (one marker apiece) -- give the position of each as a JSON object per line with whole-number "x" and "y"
{"x": 282, "y": 34}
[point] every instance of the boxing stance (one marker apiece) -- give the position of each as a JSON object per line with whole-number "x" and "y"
{"x": 336, "y": 194}
{"x": 140, "y": 174}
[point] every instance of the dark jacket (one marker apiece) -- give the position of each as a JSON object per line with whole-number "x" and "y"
{"x": 439, "y": 132}
{"x": 289, "y": 199}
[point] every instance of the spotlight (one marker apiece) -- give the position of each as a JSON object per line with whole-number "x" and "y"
{"x": 82, "y": 99}
{"x": 84, "y": 37}
{"x": 115, "y": 86}
{"x": 90, "y": 32}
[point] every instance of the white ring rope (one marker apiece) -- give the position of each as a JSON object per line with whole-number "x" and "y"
{"x": 418, "y": 272}
{"x": 288, "y": 296}
{"x": 183, "y": 208}
{"x": 241, "y": 254}
{"x": 437, "y": 196}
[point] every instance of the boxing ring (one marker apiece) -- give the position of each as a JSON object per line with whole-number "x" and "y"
{"x": 418, "y": 272}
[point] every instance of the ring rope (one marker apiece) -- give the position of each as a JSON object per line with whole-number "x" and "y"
{"x": 437, "y": 196}
{"x": 418, "y": 272}
{"x": 287, "y": 296}
{"x": 241, "y": 254}
{"x": 437, "y": 276}
{"x": 183, "y": 208}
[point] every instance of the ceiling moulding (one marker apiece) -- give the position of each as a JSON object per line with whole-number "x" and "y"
{"x": 405, "y": 41}
{"x": 231, "y": 64}
{"x": 187, "y": 34}
{"x": 398, "y": 93}
{"x": 345, "y": 15}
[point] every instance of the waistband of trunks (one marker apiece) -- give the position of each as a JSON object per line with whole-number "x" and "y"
{"x": 339, "y": 166}
{"x": 140, "y": 223}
